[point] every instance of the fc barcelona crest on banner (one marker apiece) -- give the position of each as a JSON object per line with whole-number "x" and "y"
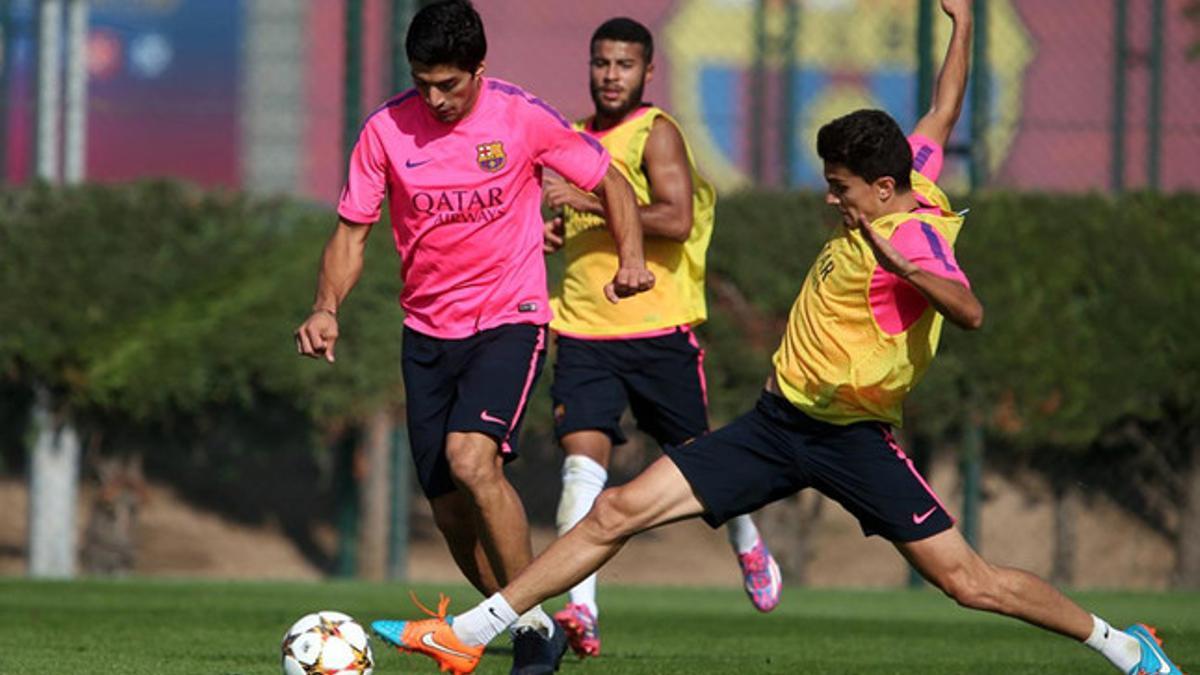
{"x": 714, "y": 46}
{"x": 490, "y": 156}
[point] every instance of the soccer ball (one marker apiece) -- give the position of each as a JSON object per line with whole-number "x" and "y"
{"x": 326, "y": 643}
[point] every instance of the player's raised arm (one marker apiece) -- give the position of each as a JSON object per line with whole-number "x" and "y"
{"x": 341, "y": 266}
{"x": 952, "y": 80}
{"x": 621, "y": 211}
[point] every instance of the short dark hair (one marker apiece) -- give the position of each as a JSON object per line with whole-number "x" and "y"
{"x": 448, "y": 32}
{"x": 870, "y": 144}
{"x": 625, "y": 29}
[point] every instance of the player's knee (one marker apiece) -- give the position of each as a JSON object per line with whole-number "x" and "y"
{"x": 970, "y": 587}
{"x": 471, "y": 467}
{"x": 610, "y": 518}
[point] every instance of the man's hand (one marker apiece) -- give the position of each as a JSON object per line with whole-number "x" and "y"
{"x": 888, "y": 257}
{"x": 552, "y": 235}
{"x": 957, "y": 9}
{"x": 557, "y": 193}
{"x": 316, "y": 337}
{"x": 627, "y": 282}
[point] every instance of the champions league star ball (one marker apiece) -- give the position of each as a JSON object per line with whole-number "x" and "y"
{"x": 326, "y": 643}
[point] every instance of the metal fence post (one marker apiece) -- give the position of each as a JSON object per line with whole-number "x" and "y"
{"x": 398, "y": 78}
{"x": 924, "y": 57}
{"x": 75, "y": 138}
{"x": 971, "y": 468}
{"x": 6, "y": 54}
{"x": 758, "y": 97}
{"x": 1154, "y": 114}
{"x": 401, "y": 496}
{"x": 924, "y": 96}
{"x": 49, "y": 99}
{"x": 981, "y": 99}
{"x": 346, "y": 504}
{"x": 788, "y": 101}
{"x": 352, "y": 97}
{"x": 1120, "y": 54}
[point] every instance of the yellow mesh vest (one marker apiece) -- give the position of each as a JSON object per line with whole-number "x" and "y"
{"x": 835, "y": 363}
{"x": 591, "y": 257}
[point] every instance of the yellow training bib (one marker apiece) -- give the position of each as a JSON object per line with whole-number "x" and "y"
{"x": 678, "y": 295}
{"x": 835, "y": 363}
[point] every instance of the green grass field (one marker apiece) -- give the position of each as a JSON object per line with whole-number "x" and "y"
{"x": 214, "y": 628}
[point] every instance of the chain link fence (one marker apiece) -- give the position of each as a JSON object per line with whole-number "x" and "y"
{"x": 1073, "y": 95}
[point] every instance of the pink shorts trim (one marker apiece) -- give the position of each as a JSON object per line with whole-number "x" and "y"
{"x": 891, "y": 441}
{"x": 693, "y": 341}
{"x": 505, "y": 448}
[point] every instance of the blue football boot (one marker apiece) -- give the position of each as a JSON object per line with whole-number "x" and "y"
{"x": 1154, "y": 660}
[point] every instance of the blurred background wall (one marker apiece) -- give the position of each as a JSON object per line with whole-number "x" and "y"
{"x": 1080, "y": 94}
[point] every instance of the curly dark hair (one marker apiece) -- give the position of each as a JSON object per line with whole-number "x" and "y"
{"x": 870, "y": 144}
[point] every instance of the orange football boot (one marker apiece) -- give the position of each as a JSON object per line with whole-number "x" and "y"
{"x": 432, "y": 637}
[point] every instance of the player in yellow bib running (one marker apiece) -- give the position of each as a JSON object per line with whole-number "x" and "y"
{"x": 862, "y": 331}
{"x": 642, "y": 352}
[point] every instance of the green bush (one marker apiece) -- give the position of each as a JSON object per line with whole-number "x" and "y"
{"x": 149, "y": 303}
{"x": 146, "y": 302}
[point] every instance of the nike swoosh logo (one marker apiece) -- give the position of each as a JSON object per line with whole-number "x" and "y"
{"x": 917, "y": 520}
{"x": 412, "y": 165}
{"x": 1163, "y": 668}
{"x": 428, "y": 640}
{"x": 488, "y": 418}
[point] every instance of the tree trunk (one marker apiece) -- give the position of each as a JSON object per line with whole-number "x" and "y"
{"x": 53, "y": 492}
{"x": 1066, "y": 515}
{"x": 110, "y": 539}
{"x": 1187, "y": 560}
{"x": 373, "y": 469}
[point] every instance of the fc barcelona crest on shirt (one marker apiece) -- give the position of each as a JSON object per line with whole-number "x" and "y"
{"x": 490, "y": 156}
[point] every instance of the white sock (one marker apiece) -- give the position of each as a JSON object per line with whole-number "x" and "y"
{"x": 483, "y": 622}
{"x": 537, "y": 620}
{"x": 583, "y": 479}
{"x": 743, "y": 535}
{"x": 1120, "y": 648}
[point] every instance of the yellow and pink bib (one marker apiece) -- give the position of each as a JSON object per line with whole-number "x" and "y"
{"x": 580, "y": 308}
{"x": 836, "y": 363}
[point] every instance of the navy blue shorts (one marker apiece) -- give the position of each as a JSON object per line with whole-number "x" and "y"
{"x": 479, "y": 383}
{"x": 661, "y": 379}
{"x": 775, "y": 450}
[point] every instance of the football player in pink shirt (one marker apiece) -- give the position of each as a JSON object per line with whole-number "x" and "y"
{"x": 459, "y": 159}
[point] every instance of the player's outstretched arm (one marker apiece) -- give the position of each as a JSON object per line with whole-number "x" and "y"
{"x": 948, "y": 297}
{"x": 669, "y": 213}
{"x": 622, "y": 218}
{"x": 341, "y": 266}
{"x": 952, "y": 80}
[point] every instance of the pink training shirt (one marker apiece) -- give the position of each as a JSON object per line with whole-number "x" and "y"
{"x": 894, "y": 301}
{"x": 465, "y": 202}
